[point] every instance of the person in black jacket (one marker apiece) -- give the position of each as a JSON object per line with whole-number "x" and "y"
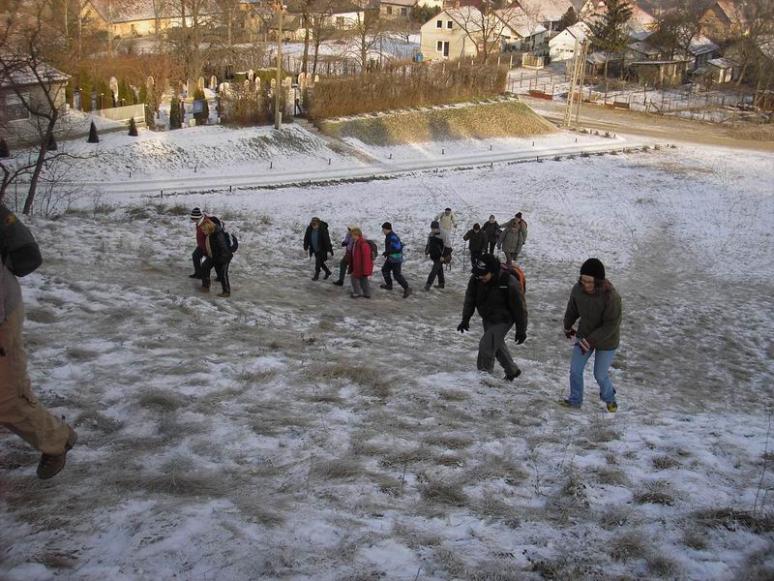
{"x": 497, "y": 296}
{"x": 492, "y": 230}
{"x": 317, "y": 242}
{"x": 477, "y": 240}
{"x": 434, "y": 249}
{"x": 218, "y": 254}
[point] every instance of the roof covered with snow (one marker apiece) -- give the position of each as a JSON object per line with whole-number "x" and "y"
{"x": 545, "y": 10}
{"x": 22, "y": 71}
{"x": 723, "y": 63}
{"x": 520, "y": 22}
{"x": 701, "y": 45}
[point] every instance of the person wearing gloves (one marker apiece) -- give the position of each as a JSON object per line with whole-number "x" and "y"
{"x": 597, "y": 304}
{"x": 434, "y": 250}
{"x": 497, "y": 296}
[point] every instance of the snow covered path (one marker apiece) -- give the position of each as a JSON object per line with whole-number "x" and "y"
{"x": 291, "y": 432}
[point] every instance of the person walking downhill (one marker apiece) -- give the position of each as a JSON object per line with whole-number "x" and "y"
{"x": 448, "y": 222}
{"x": 434, "y": 249}
{"x": 362, "y": 265}
{"x": 492, "y": 230}
{"x": 477, "y": 241}
{"x": 497, "y": 296}
{"x": 393, "y": 252}
{"x": 513, "y": 238}
{"x": 318, "y": 242}
{"x": 20, "y": 410}
{"x": 595, "y": 301}
{"x": 346, "y": 260}
{"x": 218, "y": 254}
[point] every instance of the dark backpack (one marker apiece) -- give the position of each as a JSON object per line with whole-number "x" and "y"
{"x": 374, "y": 249}
{"x": 19, "y": 251}
{"x": 231, "y": 241}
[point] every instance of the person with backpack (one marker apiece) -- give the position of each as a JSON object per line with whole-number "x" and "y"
{"x": 477, "y": 240}
{"x": 393, "y": 252}
{"x": 362, "y": 264}
{"x": 200, "y": 251}
{"x": 317, "y": 242}
{"x": 346, "y": 260}
{"x": 492, "y": 230}
{"x": 513, "y": 238}
{"x": 218, "y": 253}
{"x": 20, "y": 410}
{"x": 497, "y": 295}
{"x": 434, "y": 250}
{"x": 597, "y": 304}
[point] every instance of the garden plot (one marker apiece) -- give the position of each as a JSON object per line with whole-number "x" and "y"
{"x": 291, "y": 431}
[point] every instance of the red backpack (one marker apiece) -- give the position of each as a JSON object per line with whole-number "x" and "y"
{"x": 518, "y": 273}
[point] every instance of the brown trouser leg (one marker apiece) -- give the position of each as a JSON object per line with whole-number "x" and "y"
{"x": 20, "y": 411}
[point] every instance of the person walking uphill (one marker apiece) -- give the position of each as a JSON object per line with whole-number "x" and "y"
{"x": 513, "y": 238}
{"x": 20, "y": 411}
{"x": 362, "y": 264}
{"x": 218, "y": 254}
{"x": 318, "y": 242}
{"x": 434, "y": 249}
{"x": 492, "y": 230}
{"x": 346, "y": 260}
{"x": 477, "y": 241}
{"x": 393, "y": 252}
{"x": 200, "y": 251}
{"x": 595, "y": 301}
{"x": 497, "y": 296}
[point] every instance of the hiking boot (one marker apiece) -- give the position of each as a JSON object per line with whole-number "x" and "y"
{"x": 327, "y": 275}
{"x": 441, "y": 285}
{"x": 204, "y": 289}
{"x": 355, "y": 296}
{"x": 224, "y": 294}
{"x": 51, "y": 464}
{"x": 406, "y": 292}
{"x": 612, "y": 407}
{"x": 427, "y": 288}
{"x": 338, "y": 282}
{"x": 366, "y": 296}
{"x": 512, "y": 376}
{"x": 195, "y": 275}
{"x": 316, "y": 277}
{"x": 386, "y": 286}
{"x": 565, "y": 403}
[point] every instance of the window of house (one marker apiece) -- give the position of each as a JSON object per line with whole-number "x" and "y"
{"x": 404, "y": 11}
{"x": 389, "y": 10}
{"x": 439, "y": 23}
{"x": 339, "y": 21}
{"x": 449, "y": 24}
{"x": 15, "y": 109}
{"x": 438, "y": 46}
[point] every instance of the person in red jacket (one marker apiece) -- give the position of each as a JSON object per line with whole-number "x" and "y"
{"x": 362, "y": 264}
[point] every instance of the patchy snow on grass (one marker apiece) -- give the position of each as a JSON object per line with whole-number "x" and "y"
{"x": 292, "y": 432}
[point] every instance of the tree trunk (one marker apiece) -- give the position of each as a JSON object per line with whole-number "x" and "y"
{"x": 39, "y": 163}
{"x": 305, "y": 58}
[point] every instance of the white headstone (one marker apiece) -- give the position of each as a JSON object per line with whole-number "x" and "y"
{"x": 213, "y": 82}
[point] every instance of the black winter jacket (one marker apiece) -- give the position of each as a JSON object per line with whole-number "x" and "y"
{"x": 434, "y": 246}
{"x": 492, "y": 230}
{"x": 498, "y": 301}
{"x": 220, "y": 250}
{"x": 325, "y": 239}
{"x": 477, "y": 240}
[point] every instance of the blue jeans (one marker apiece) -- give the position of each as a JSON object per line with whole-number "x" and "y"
{"x": 602, "y": 362}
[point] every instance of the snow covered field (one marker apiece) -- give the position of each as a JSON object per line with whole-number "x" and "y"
{"x": 291, "y": 432}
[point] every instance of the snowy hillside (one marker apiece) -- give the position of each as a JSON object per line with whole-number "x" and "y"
{"x": 292, "y": 432}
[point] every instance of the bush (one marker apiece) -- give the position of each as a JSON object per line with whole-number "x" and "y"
{"x": 203, "y": 116}
{"x": 175, "y": 120}
{"x": 409, "y": 85}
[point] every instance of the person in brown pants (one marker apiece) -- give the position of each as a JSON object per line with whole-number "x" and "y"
{"x": 20, "y": 411}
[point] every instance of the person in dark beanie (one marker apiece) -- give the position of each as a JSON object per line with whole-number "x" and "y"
{"x": 497, "y": 296}
{"x": 20, "y": 410}
{"x": 200, "y": 252}
{"x": 492, "y": 230}
{"x": 393, "y": 252}
{"x": 217, "y": 254}
{"x": 317, "y": 242}
{"x": 434, "y": 249}
{"x": 477, "y": 240}
{"x": 597, "y": 304}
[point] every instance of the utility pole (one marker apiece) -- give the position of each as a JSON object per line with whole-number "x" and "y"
{"x": 278, "y": 87}
{"x": 575, "y": 94}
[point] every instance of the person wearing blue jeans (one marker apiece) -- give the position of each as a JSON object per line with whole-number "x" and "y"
{"x": 393, "y": 252}
{"x": 597, "y": 304}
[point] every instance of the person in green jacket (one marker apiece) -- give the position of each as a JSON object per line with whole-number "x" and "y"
{"x": 595, "y": 301}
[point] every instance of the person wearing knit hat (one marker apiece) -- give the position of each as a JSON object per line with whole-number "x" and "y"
{"x": 497, "y": 296}
{"x": 434, "y": 251}
{"x": 393, "y": 252}
{"x": 597, "y": 304}
{"x": 197, "y": 217}
{"x": 477, "y": 242}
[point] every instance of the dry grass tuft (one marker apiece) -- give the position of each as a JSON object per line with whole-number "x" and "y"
{"x": 449, "y": 441}
{"x": 662, "y": 567}
{"x": 339, "y": 469}
{"x": 405, "y": 457}
{"x": 372, "y": 382}
{"x": 444, "y": 493}
{"x": 248, "y": 378}
{"x": 615, "y": 517}
{"x": 732, "y": 519}
{"x": 610, "y": 476}
{"x": 453, "y": 395}
{"x": 695, "y": 539}
{"x": 628, "y": 546}
{"x": 656, "y": 492}
{"x": 260, "y": 510}
{"x": 178, "y": 478}
{"x": 95, "y": 420}
{"x": 664, "y": 462}
{"x": 160, "y": 401}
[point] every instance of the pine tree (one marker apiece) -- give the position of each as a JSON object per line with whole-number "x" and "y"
{"x": 86, "y": 89}
{"x": 125, "y": 94}
{"x": 4, "y": 151}
{"x": 568, "y": 19}
{"x": 174, "y": 114}
{"x": 93, "y": 137}
{"x": 203, "y": 116}
{"x": 609, "y": 32}
{"x": 132, "y": 127}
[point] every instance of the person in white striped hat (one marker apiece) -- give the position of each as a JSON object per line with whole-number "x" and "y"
{"x": 201, "y": 241}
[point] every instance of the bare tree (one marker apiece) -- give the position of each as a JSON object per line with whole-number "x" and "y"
{"x": 485, "y": 28}
{"x": 677, "y": 27}
{"x": 755, "y": 29}
{"x": 366, "y": 31}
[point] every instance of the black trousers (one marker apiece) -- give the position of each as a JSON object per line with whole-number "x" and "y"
{"x": 319, "y": 263}
{"x": 437, "y": 270}
{"x": 221, "y": 270}
{"x": 474, "y": 256}
{"x": 391, "y": 269}
{"x": 492, "y": 244}
{"x": 197, "y": 256}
